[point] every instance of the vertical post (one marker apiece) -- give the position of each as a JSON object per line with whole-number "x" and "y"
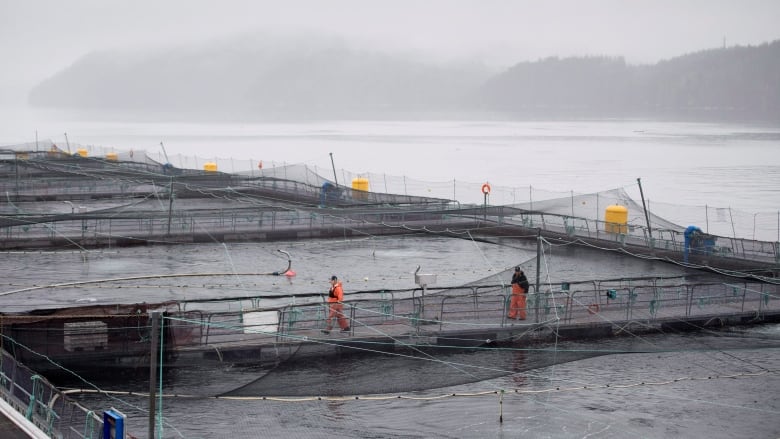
{"x": 152, "y": 372}
{"x": 501, "y": 407}
{"x": 572, "y": 204}
{"x": 538, "y": 269}
{"x": 170, "y": 206}
{"x": 67, "y": 143}
{"x": 16, "y": 170}
{"x": 754, "y": 226}
{"x": 731, "y": 217}
{"x": 644, "y": 207}
{"x": 335, "y": 179}
{"x": 422, "y": 304}
{"x": 484, "y": 207}
{"x": 597, "y": 215}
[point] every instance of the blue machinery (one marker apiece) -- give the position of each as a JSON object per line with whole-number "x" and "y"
{"x": 113, "y": 424}
{"x": 697, "y": 242}
{"x": 329, "y": 193}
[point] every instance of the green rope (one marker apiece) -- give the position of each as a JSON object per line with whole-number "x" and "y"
{"x": 293, "y": 316}
{"x": 655, "y": 303}
{"x": 385, "y": 305}
{"x": 53, "y": 416}
{"x": 654, "y": 306}
{"x": 160, "y": 380}
{"x": 33, "y": 397}
{"x": 3, "y": 377}
{"x": 89, "y": 425}
{"x": 632, "y": 295}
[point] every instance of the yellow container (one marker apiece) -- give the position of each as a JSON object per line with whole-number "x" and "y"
{"x": 616, "y": 219}
{"x": 210, "y": 167}
{"x": 81, "y": 152}
{"x": 112, "y": 156}
{"x": 360, "y": 185}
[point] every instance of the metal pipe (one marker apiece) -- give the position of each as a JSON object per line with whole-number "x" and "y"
{"x": 538, "y": 268}
{"x": 335, "y": 179}
{"x": 647, "y": 216}
{"x": 164, "y": 153}
{"x": 153, "y": 372}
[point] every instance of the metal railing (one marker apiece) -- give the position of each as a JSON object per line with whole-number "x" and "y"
{"x": 41, "y": 403}
{"x": 658, "y": 239}
{"x": 400, "y": 312}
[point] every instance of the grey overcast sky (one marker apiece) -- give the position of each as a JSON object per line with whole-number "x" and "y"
{"x": 40, "y": 37}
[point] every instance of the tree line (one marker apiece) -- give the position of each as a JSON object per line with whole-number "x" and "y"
{"x": 741, "y": 82}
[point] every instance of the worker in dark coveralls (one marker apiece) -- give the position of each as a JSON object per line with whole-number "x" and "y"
{"x": 519, "y": 290}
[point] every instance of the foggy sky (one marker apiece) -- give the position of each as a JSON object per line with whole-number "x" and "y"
{"x": 40, "y": 37}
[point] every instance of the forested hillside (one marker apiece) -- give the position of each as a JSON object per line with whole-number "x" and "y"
{"x": 737, "y": 82}
{"x": 332, "y": 80}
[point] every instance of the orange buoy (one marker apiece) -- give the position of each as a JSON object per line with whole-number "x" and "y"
{"x": 260, "y": 164}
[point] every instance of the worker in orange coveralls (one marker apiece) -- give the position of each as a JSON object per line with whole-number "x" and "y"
{"x": 335, "y": 299}
{"x": 519, "y": 290}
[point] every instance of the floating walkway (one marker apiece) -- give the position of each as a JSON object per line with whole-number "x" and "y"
{"x": 238, "y": 330}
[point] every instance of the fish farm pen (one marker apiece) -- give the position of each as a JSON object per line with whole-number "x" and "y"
{"x": 238, "y": 331}
{"x": 55, "y": 199}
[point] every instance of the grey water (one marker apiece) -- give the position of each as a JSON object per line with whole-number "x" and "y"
{"x": 669, "y": 386}
{"x": 727, "y": 382}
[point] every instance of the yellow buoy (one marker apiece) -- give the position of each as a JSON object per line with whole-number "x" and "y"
{"x": 112, "y": 156}
{"x": 210, "y": 167}
{"x": 616, "y": 219}
{"x": 82, "y": 152}
{"x": 360, "y": 185}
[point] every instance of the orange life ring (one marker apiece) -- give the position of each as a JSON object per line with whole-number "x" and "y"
{"x": 485, "y": 188}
